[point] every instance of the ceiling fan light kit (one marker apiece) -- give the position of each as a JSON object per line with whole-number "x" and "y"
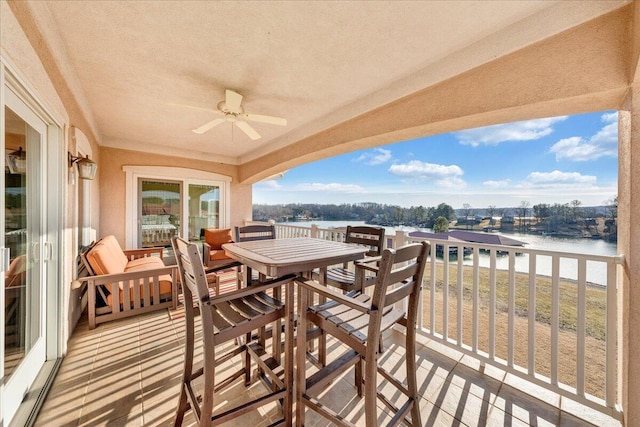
{"x": 233, "y": 112}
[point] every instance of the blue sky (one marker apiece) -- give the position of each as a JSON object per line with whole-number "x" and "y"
{"x": 552, "y": 160}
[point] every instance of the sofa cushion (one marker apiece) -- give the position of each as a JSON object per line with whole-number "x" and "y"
{"x": 107, "y": 257}
{"x": 218, "y": 254}
{"x": 216, "y": 237}
{"x": 144, "y": 263}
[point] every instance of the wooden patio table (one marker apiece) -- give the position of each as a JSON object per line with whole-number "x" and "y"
{"x": 279, "y": 257}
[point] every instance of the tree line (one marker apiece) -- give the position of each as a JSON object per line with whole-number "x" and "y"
{"x": 425, "y": 217}
{"x": 372, "y": 213}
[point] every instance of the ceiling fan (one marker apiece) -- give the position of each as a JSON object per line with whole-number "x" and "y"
{"x": 234, "y": 113}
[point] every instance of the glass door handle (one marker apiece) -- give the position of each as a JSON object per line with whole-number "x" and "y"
{"x": 48, "y": 251}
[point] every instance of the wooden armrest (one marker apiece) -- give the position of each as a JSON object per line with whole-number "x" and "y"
{"x": 206, "y": 249}
{"x": 253, "y": 289}
{"x": 217, "y": 265}
{"x": 131, "y": 275}
{"x": 369, "y": 259}
{"x": 142, "y": 252}
{"x": 316, "y": 287}
{"x": 368, "y": 265}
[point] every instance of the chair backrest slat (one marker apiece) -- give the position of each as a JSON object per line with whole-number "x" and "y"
{"x": 400, "y": 275}
{"x": 399, "y": 293}
{"x": 192, "y": 274}
{"x": 255, "y": 232}
{"x": 373, "y": 237}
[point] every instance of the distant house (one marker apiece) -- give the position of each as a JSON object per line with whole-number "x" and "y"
{"x": 458, "y": 236}
{"x": 469, "y": 220}
{"x": 453, "y": 250}
{"x": 485, "y": 238}
{"x": 508, "y": 219}
{"x": 471, "y": 237}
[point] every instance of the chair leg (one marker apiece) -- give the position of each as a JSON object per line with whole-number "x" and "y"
{"x": 247, "y": 362}
{"x": 412, "y": 383}
{"x": 370, "y": 387}
{"x": 239, "y": 277}
{"x": 183, "y": 403}
{"x": 359, "y": 371}
{"x": 182, "y": 406}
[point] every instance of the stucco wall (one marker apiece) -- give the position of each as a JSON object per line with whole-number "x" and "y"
{"x": 41, "y": 74}
{"x": 17, "y": 50}
{"x": 23, "y": 61}
{"x": 113, "y": 190}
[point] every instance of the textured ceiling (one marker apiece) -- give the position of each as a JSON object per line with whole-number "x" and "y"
{"x": 142, "y": 65}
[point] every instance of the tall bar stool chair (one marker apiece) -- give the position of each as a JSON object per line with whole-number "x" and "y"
{"x": 344, "y": 277}
{"x": 358, "y": 322}
{"x": 250, "y": 233}
{"x": 225, "y": 318}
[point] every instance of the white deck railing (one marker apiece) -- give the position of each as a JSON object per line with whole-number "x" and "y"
{"x": 555, "y": 332}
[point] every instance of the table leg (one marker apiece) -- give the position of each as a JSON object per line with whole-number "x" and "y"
{"x": 322, "y": 341}
{"x": 276, "y": 342}
{"x": 288, "y": 358}
{"x": 301, "y": 354}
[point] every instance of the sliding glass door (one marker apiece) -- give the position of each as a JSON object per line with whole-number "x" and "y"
{"x": 163, "y": 204}
{"x": 25, "y": 238}
{"x": 204, "y": 209}
{"x": 160, "y": 215}
{"x": 163, "y": 201}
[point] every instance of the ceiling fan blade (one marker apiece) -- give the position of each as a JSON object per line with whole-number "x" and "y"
{"x": 265, "y": 119}
{"x": 246, "y": 128}
{"x": 210, "y": 125}
{"x": 232, "y": 101}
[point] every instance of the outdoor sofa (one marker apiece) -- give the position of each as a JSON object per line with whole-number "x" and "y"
{"x": 123, "y": 283}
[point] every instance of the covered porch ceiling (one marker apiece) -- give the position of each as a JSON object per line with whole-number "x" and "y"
{"x": 345, "y": 75}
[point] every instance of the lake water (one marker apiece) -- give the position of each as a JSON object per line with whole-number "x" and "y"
{"x": 596, "y": 271}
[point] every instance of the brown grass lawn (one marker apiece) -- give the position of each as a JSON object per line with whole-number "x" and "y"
{"x": 595, "y": 322}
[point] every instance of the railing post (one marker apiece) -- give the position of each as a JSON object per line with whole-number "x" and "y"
{"x": 400, "y": 239}
{"x": 314, "y": 231}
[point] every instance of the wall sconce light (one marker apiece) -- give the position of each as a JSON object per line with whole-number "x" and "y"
{"x": 86, "y": 167}
{"x": 17, "y": 162}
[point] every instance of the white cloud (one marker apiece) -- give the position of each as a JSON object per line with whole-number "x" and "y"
{"x": 519, "y": 131}
{"x": 442, "y": 176}
{"x": 575, "y": 149}
{"x": 421, "y": 170}
{"x": 557, "y": 178}
{"x": 610, "y": 117}
{"x": 342, "y": 188}
{"x": 377, "y": 157}
{"x": 603, "y": 143}
{"x": 497, "y": 184}
{"x": 270, "y": 185}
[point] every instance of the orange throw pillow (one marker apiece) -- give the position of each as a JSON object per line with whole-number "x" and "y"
{"x": 217, "y": 237}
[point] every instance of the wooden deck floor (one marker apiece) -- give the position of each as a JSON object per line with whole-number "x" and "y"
{"x": 127, "y": 373}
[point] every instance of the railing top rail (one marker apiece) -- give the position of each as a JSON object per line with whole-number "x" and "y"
{"x": 618, "y": 259}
